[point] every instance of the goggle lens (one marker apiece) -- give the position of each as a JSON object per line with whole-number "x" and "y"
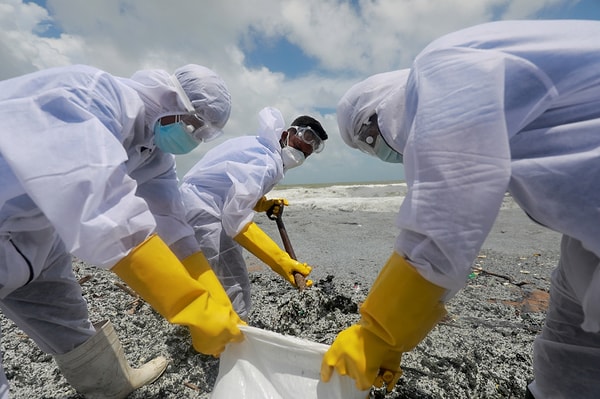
{"x": 310, "y": 137}
{"x": 367, "y": 138}
{"x": 199, "y": 128}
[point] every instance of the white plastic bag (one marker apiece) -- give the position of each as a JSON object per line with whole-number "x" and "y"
{"x": 267, "y": 365}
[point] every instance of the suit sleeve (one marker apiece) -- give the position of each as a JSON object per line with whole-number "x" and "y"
{"x": 463, "y": 108}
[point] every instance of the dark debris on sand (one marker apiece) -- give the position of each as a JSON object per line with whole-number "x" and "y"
{"x": 482, "y": 349}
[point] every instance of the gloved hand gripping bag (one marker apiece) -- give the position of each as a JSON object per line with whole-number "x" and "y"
{"x": 270, "y": 365}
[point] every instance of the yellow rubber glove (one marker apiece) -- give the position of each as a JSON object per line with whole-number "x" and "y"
{"x": 265, "y": 204}
{"x": 400, "y": 310}
{"x": 389, "y": 371}
{"x": 155, "y": 273}
{"x": 198, "y": 267}
{"x": 264, "y": 248}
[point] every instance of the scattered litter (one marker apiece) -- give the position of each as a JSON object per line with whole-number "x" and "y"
{"x": 84, "y": 279}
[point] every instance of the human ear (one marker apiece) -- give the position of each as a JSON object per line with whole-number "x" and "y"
{"x": 284, "y": 136}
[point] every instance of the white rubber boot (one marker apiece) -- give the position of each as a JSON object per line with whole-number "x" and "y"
{"x": 98, "y": 369}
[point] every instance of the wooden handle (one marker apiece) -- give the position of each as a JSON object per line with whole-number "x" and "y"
{"x": 298, "y": 278}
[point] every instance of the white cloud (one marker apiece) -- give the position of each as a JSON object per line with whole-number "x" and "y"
{"x": 349, "y": 40}
{"x": 21, "y": 49}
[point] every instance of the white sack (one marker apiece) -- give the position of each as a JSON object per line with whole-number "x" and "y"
{"x": 267, "y": 365}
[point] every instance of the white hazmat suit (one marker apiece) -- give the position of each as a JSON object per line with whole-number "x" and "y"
{"x": 219, "y": 194}
{"x": 504, "y": 106}
{"x": 80, "y": 175}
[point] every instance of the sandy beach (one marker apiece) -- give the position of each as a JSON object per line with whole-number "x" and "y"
{"x": 483, "y": 349}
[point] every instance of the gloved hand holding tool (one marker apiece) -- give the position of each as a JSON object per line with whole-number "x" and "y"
{"x": 192, "y": 297}
{"x": 273, "y": 204}
{"x": 400, "y": 310}
{"x": 275, "y": 212}
{"x": 255, "y": 240}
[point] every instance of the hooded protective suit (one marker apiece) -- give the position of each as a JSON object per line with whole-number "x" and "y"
{"x": 80, "y": 175}
{"x": 220, "y": 192}
{"x": 514, "y": 106}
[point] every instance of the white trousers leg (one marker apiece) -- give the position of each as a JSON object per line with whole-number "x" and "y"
{"x": 226, "y": 258}
{"x": 50, "y": 309}
{"x": 232, "y": 272}
{"x": 566, "y": 358}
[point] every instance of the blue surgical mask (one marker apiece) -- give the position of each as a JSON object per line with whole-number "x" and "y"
{"x": 173, "y": 138}
{"x": 386, "y": 153}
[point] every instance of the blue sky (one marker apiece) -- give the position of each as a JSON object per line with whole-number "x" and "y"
{"x": 299, "y": 56}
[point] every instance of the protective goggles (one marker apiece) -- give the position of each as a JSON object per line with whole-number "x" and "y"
{"x": 367, "y": 137}
{"x": 370, "y": 141}
{"x": 310, "y": 137}
{"x": 197, "y": 127}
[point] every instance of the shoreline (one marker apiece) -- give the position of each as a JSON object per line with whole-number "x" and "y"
{"x": 375, "y": 183}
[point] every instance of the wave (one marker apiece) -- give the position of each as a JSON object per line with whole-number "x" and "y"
{"x": 369, "y": 197}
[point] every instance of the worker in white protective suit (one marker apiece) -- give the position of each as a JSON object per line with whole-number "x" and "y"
{"x": 224, "y": 189}
{"x": 504, "y": 106}
{"x": 87, "y": 169}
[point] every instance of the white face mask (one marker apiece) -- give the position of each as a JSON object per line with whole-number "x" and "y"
{"x": 292, "y": 157}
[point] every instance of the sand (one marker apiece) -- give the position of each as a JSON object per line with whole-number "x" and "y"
{"x": 483, "y": 349}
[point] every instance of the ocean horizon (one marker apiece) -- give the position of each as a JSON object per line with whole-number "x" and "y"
{"x": 329, "y": 184}
{"x": 384, "y": 196}
{"x": 371, "y": 196}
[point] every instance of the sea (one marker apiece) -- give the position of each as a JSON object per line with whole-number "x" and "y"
{"x": 369, "y": 197}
